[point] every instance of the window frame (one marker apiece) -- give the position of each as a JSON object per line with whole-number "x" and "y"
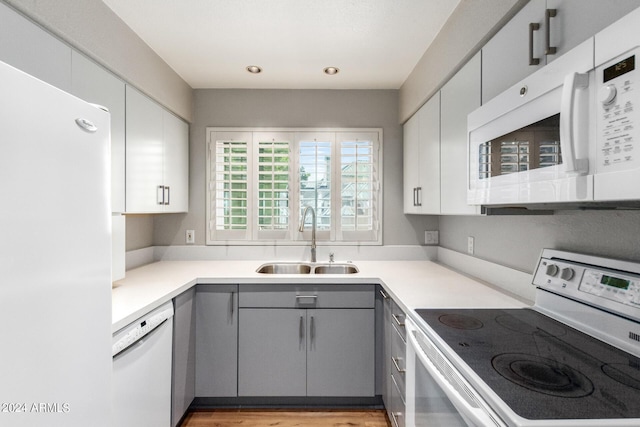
{"x": 335, "y": 236}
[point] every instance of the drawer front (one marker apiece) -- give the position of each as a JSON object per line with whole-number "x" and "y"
{"x": 397, "y": 408}
{"x": 398, "y": 359}
{"x": 307, "y": 296}
{"x": 398, "y": 318}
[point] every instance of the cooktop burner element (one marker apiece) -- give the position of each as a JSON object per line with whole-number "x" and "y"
{"x": 628, "y": 375}
{"x": 542, "y": 375}
{"x": 459, "y": 321}
{"x": 542, "y": 369}
{"x": 514, "y": 324}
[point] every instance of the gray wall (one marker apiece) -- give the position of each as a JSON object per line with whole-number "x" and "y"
{"x": 516, "y": 241}
{"x": 295, "y": 108}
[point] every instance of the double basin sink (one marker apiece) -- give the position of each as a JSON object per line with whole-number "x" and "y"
{"x": 306, "y": 268}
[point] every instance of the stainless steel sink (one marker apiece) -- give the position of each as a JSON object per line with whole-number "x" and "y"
{"x": 284, "y": 268}
{"x": 335, "y": 269}
{"x": 304, "y": 268}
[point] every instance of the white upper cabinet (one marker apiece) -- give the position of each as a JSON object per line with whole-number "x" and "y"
{"x": 542, "y": 31}
{"x": 96, "y": 85}
{"x": 157, "y": 163}
{"x": 459, "y": 97}
{"x": 410, "y": 168}
{"x": 29, "y": 48}
{"x": 421, "y": 168}
{"x": 176, "y": 162}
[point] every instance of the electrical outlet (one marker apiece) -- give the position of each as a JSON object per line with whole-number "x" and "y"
{"x": 431, "y": 237}
{"x": 470, "y": 244}
{"x": 190, "y": 237}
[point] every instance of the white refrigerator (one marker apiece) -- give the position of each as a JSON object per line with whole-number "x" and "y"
{"x": 55, "y": 256}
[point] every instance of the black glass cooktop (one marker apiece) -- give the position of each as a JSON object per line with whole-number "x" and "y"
{"x": 541, "y": 368}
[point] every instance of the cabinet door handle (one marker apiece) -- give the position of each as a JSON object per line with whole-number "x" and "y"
{"x": 395, "y": 361}
{"x": 231, "y": 304}
{"x": 533, "y": 26}
{"x": 160, "y": 194}
{"x": 384, "y": 295}
{"x": 414, "y": 196}
{"x": 399, "y": 322}
{"x": 168, "y": 199}
{"x": 312, "y": 330}
{"x": 301, "y": 329}
{"x": 418, "y": 192}
{"x": 548, "y": 14}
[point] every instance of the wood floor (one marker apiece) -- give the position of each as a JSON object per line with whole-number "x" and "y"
{"x": 286, "y": 418}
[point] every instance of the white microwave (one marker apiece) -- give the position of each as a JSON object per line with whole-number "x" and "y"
{"x": 566, "y": 134}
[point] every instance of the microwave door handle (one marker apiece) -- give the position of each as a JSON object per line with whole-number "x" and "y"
{"x": 478, "y": 415}
{"x": 573, "y": 165}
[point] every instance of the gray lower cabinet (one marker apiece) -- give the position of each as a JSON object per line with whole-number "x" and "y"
{"x": 216, "y": 352}
{"x": 311, "y": 340}
{"x": 183, "y": 361}
{"x": 341, "y": 352}
{"x": 394, "y": 361}
{"x": 272, "y": 352}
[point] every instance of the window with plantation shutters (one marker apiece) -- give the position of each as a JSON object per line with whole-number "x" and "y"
{"x": 315, "y": 157}
{"x": 358, "y": 186}
{"x": 260, "y": 182}
{"x": 273, "y": 180}
{"x": 229, "y": 160}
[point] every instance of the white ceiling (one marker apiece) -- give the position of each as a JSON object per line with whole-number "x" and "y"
{"x": 209, "y": 43}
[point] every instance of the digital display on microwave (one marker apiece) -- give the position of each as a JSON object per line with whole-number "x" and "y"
{"x": 622, "y": 67}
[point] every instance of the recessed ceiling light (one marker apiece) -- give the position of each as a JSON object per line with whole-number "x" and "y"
{"x": 331, "y": 71}
{"x": 254, "y": 69}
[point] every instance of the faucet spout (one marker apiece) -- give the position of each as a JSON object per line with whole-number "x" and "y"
{"x": 313, "y": 230}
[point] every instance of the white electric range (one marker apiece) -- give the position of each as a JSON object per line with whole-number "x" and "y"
{"x": 573, "y": 359}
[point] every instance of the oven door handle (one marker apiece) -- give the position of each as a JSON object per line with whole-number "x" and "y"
{"x": 478, "y": 415}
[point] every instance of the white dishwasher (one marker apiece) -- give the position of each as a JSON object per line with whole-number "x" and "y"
{"x": 142, "y": 370}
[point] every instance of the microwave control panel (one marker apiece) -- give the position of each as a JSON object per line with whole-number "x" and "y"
{"x": 618, "y": 113}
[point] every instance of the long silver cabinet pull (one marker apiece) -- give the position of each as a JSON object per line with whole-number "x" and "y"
{"x": 395, "y": 363}
{"x": 301, "y": 329}
{"x": 533, "y": 26}
{"x": 418, "y": 199}
{"x": 160, "y": 194}
{"x": 168, "y": 198}
{"x": 548, "y": 14}
{"x": 399, "y": 322}
{"x": 384, "y": 295}
{"x": 312, "y": 327}
{"x": 231, "y": 304}
{"x": 415, "y": 201}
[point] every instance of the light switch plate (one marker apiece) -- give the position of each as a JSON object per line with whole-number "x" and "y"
{"x": 190, "y": 237}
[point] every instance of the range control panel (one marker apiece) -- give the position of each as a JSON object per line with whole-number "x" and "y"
{"x": 618, "y": 113}
{"x": 602, "y": 285}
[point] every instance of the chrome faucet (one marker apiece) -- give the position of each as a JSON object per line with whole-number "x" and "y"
{"x": 313, "y": 230}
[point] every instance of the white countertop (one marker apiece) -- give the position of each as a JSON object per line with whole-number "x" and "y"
{"x": 412, "y": 284}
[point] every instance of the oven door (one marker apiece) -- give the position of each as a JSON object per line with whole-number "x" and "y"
{"x": 437, "y": 395}
{"x": 532, "y": 143}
